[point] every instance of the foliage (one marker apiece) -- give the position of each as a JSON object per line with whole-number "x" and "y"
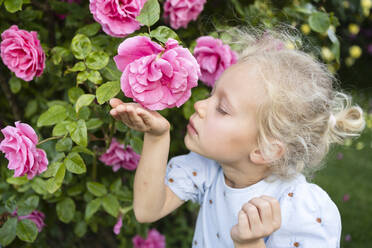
{"x": 67, "y": 106}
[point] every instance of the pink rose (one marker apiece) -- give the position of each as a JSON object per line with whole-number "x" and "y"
{"x": 19, "y": 146}
{"x": 21, "y": 52}
{"x": 35, "y": 216}
{"x": 154, "y": 240}
{"x": 181, "y": 12}
{"x": 154, "y": 76}
{"x": 118, "y": 157}
{"x": 117, "y": 18}
{"x": 118, "y": 225}
{"x": 213, "y": 57}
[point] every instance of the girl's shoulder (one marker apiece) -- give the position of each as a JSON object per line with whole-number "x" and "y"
{"x": 309, "y": 216}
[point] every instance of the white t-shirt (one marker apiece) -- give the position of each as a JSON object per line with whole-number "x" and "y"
{"x": 310, "y": 219}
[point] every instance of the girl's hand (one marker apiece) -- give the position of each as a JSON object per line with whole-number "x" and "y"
{"x": 138, "y": 118}
{"x": 257, "y": 219}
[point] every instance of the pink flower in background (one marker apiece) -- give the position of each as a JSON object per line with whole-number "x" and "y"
{"x": 346, "y": 198}
{"x": 347, "y": 237}
{"x": 117, "y": 17}
{"x": 19, "y": 146}
{"x": 22, "y": 53}
{"x": 213, "y": 57}
{"x": 118, "y": 225}
{"x": 156, "y": 77}
{"x": 35, "y": 216}
{"x": 118, "y": 157}
{"x": 154, "y": 240}
{"x": 340, "y": 156}
{"x": 181, "y": 12}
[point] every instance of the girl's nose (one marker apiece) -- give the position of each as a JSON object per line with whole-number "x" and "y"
{"x": 200, "y": 108}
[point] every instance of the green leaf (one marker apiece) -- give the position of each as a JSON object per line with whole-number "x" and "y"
{"x": 13, "y": 6}
{"x": 82, "y": 76}
{"x": 94, "y": 123}
{"x": 90, "y": 29}
{"x": 111, "y": 72}
{"x": 96, "y": 189}
{"x": 31, "y": 108}
{"x": 17, "y": 180}
{"x": 58, "y": 53}
{"x": 111, "y": 205}
{"x": 116, "y": 185}
{"x": 53, "y": 115}
{"x": 162, "y": 33}
{"x": 136, "y": 143}
{"x": 92, "y": 208}
{"x": 8, "y": 231}
{"x": 78, "y": 132}
{"x": 64, "y": 144}
{"x": 84, "y": 100}
{"x": 11, "y": 204}
{"x": 52, "y": 169}
{"x": 95, "y": 77}
{"x": 97, "y": 60}
{"x": 79, "y": 66}
{"x": 60, "y": 129}
{"x": 27, "y": 206}
{"x": 319, "y": 22}
{"x": 80, "y": 229}
{"x": 74, "y": 163}
{"x": 74, "y": 93}
{"x": 82, "y": 149}
{"x": 150, "y": 13}
{"x": 188, "y": 109}
{"x": 53, "y": 184}
{"x": 76, "y": 190}
{"x": 65, "y": 210}
{"x": 81, "y": 46}
{"x": 15, "y": 85}
{"x": 107, "y": 91}
{"x": 26, "y": 230}
{"x": 39, "y": 186}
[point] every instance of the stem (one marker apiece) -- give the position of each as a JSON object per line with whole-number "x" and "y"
{"x": 94, "y": 171}
{"x": 148, "y": 28}
{"x": 50, "y": 138}
{"x": 11, "y": 99}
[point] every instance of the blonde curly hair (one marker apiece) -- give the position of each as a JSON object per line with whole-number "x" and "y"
{"x": 305, "y": 111}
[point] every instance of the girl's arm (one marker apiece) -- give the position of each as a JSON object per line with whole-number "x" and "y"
{"x": 152, "y": 198}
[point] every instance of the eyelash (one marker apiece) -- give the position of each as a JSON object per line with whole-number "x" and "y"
{"x": 218, "y": 108}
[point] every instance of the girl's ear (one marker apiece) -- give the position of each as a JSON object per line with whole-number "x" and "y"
{"x": 277, "y": 150}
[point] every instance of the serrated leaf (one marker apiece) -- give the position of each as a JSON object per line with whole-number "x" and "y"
{"x": 39, "y": 186}
{"x": 79, "y": 66}
{"x": 64, "y": 144}
{"x": 92, "y": 207}
{"x": 74, "y": 93}
{"x": 17, "y": 180}
{"x": 8, "y": 231}
{"x": 26, "y": 230}
{"x": 90, "y": 29}
{"x": 116, "y": 185}
{"x": 97, "y": 60}
{"x": 84, "y": 100}
{"x": 94, "y": 123}
{"x": 52, "y": 169}
{"x": 74, "y": 163}
{"x": 53, "y": 184}
{"x": 111, "y": 205}
{"x": 81, "y": 46}
{"x": 60, "y": 128}
{"x": 82, "y": 149}
{"x": 96, "y": 189}
{"x": 66, "y": 210}
{"x": 78, "y": 132}
{"x": 95, "y": 77}
{"x": 53, "y": 115}
{"x": 107, "y": 91}
{"x": 27, "y": 206}
{"x": 13, "y": 6}
{"x": 150, "y": 13}
{"x": 162, "y": 33}
{"x": 80, "y": 229}
{"x": 111, "y": 72}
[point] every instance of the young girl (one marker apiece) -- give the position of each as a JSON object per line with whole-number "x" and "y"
{"x": 269, "y": 120}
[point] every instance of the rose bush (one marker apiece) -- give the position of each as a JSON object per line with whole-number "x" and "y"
{"x": 60, "y": 163}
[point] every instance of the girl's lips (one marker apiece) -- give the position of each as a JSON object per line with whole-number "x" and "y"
{"x": 191, "y": 128}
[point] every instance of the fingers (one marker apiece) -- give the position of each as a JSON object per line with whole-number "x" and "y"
{"x": 264, "y": 208}
{"x": 114, "y": 102}
{"x": 275, "y": 209}
{"x": 253, "y": 217}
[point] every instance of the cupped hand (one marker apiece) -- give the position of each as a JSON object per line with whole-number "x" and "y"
{"x": 257, "y": 219}
{"x": 138, "y": 118}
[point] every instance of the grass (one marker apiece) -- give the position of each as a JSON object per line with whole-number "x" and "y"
{"x": 351, "y": 175}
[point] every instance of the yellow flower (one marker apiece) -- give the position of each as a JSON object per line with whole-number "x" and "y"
{"x": 349, "y": 61}
{"x": 327, "y": 54}
{"x": 367, "y": 4}
{"x": 353, "y": 28}
{"x": 355, "y": 51}
{"x": 305, "y": 28}
{"x": 348, "y": 142}
{"x": 359, "y": 145}
{"x": 331, "y": 68}
{"x": 290, "y": 45}
{"x": 346, "y": 4}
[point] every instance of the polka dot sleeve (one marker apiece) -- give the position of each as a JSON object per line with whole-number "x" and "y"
{"x": 309, "y": 219}
{"x": 189, "y": 175}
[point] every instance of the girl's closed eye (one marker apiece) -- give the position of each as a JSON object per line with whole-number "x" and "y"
{"x": 221, "y": 111}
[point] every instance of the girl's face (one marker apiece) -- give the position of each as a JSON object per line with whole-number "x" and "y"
{"x": 226, "y": 122}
